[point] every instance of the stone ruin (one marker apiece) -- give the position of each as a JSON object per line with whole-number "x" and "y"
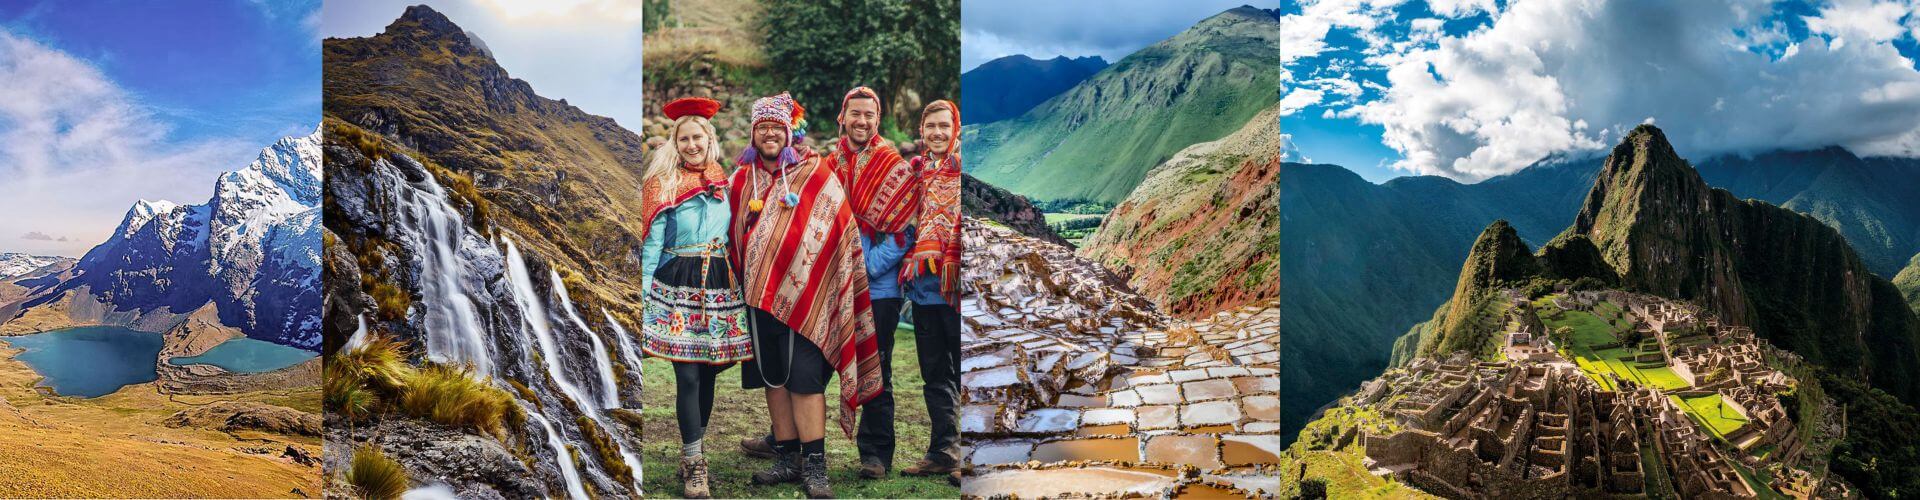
{"x": 1075, "y": 385}
{"x": 1536, "y": 426}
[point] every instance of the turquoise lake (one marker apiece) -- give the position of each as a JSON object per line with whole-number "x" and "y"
{"x": 247, "y": 355}
{"x": 89, "y": 361}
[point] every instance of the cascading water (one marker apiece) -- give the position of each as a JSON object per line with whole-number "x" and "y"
{"x": 628, "y": 352}
{"x": 536, "y": 315}
{"x": 529, "y": 303}
{"x": 452, "y": 325}
{"x": 575, "y": 490}
{"x": 359, "y": 337}
{"x": 610, "y": 390}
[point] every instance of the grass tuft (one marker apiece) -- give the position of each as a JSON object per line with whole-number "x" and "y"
{"x": 375, "y": 476}
{"x": 453, "y": 396}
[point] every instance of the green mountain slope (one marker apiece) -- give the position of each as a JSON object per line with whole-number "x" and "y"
{"x": 1871, "y": 201}
{"x": 1908, "y": 281}
{"x": 1791, "y": 277}
{"x": 1201, "y": 234}
{"x": 1097, "y": 140}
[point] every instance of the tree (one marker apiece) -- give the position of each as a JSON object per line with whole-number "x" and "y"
{"x": 906, "y": 51}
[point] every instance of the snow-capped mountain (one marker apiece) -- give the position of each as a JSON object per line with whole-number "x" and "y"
{"x": 252, "y": 251}
{"x": 13, "y": 264}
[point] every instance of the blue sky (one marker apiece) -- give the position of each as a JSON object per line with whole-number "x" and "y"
{"x": 584, "y": 51}
{"x": 990, "y": 29}
{"x": 106, "y": 103}
{"x": 1471, "y": 89}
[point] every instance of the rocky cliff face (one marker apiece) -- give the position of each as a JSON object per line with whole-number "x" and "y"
{"x": 1202, "y": 233}
{"x": 982, "y": 200}
{"x": 252, "y": 250}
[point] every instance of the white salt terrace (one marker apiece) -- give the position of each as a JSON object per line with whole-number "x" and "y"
{"x": 1075, "y": 385}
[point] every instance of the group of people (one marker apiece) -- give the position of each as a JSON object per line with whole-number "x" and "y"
{"x": 796, "y": 265}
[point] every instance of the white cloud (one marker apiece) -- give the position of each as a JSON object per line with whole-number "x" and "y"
{"x": 1299, "y": 98}
{"x": 1461, "y": 8}
{"x": 1552, "y": 76}
{"x": 1860, "y": 20}
{"x": 76, "y": 151}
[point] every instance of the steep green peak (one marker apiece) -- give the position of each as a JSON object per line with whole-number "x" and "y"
{"x": 1643, "y": 179}
{"x": 1498, "y": 256}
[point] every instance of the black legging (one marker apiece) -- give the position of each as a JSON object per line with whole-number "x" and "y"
{"x": 693, "y": 401}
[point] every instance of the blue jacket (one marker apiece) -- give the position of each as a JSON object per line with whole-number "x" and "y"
{"x": 700, "y": 219}
{"x": 883, "y": 264}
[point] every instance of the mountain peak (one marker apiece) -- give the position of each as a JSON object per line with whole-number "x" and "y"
{"x": 1498, "y": 255}
{"x": 428, "y": 18}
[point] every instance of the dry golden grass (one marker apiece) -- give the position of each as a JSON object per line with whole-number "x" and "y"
{"x": 375, "y": 476}
{"x": 117, "y": 446}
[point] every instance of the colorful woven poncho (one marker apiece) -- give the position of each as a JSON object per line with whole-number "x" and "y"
{"x": 802, "y": 263}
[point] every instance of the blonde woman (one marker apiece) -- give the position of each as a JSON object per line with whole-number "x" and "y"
{"x": 693, "y": 314}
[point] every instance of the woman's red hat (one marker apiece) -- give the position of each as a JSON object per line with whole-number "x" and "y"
{"x": 701, "y": 106}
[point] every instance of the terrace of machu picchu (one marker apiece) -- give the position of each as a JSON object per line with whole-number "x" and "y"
{"x": 1074, "y": 385}
{"x": 1589, "y": 393}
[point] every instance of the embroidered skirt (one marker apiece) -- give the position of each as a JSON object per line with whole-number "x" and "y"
{"x": 695, "y": 312}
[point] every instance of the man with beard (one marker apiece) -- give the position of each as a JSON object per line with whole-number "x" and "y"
{"x": 931, "y": 279}
{"x": 884, "y": 195}
{"x": 803, "y": 277}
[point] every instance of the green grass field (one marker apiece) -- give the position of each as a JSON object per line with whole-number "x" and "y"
{"x": 739, "y": 413}
{"x": 1710, "y": 412}
{"x": 1590, "y": 330}
{"x": 1056, "y": 218}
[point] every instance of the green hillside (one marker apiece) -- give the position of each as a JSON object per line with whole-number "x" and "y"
{"x": 1098, "y": 140}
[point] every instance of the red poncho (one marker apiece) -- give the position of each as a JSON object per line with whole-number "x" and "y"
{"x": 803, "y": 265}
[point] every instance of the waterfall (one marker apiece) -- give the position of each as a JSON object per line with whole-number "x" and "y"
{"x": 610, "y": 395}
{"x": 435, "y": 491}
{"x": 560, "y": 455}
{"x": 536, "y": 315}
{"x": 628, "y": 352}
{"x": 359, "y": 337}
{"x": 452, "y": 324}
{"x": 530, "y": 306}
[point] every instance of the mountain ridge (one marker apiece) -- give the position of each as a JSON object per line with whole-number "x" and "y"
{"x": 1097, "y": 140}
{"x": 1010, "y": 86}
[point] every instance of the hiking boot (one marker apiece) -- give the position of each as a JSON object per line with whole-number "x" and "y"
{"x": 870, "y": 469}
{"x": 928, "y": 468}
{"x": 759, "y": 447}
{"x": 693, "y": 478}
{"x": 814, "y": 474}
{"x": 785, "y": 469}
{"x": 954, "y": 478}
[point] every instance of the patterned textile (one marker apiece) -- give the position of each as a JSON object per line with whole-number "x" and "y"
{"x": 880, "y": 184}
{"x": 803, "y": 265}
{"x": 682, "y": 184}
{"x": 936, "y": 249}
{"x": 694, "y": 313}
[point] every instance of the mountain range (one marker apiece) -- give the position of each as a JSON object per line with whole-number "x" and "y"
{"x": 1375, "y": 259}
{"x": 1651, "y": 224}
{"x": 251, "y": 253}
{"x": 1097, "y": 140}
{"x": 1009, "y": 86}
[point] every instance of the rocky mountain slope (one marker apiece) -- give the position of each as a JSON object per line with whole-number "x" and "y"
{"x": 15, "y": 265}
{"x": 1009, "y": 86}
{"x": 982, "y": 200}
{"x": 483, "y": 225}
{"x": 1869, "y": 200}
{"x": 252, "y": 250}
{"x": 1201, "y": 233}
{"x": 1099, "y": 139}
{"x": 566, "y": 180}
{"x": 1791, "y": 277}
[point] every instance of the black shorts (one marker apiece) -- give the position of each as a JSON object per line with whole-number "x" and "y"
{"x": 807, "y": 374}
